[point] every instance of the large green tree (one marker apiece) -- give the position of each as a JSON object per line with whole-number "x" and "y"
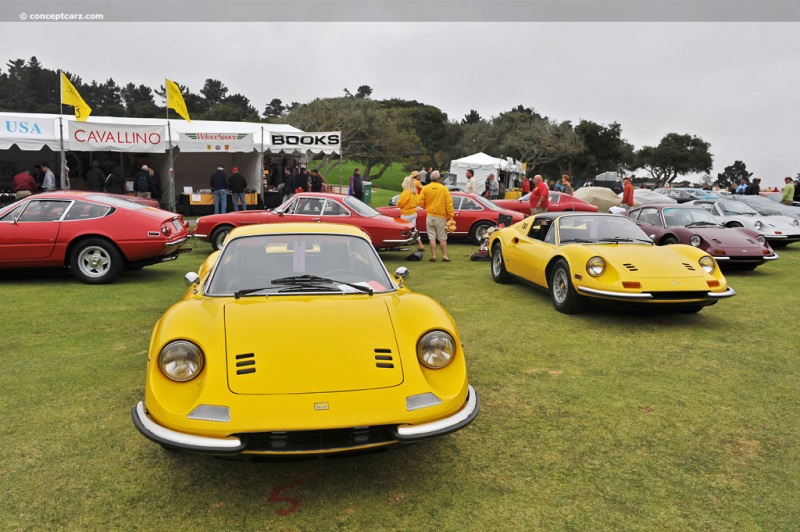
{"x": 732, "y": 175}
{"x": 676, "y": 154}
{"x": 605, "y": 150}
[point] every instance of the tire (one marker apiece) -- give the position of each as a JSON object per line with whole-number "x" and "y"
{"x": 669, "y": 241}
{"x": 218, "y": 236}
{"x": 95, "y": 261}
{"x": 734, "y": 224}
{"x": 499, "y": 273}
{"x": 478, "y": 231}
{"x": 563, "y": 294}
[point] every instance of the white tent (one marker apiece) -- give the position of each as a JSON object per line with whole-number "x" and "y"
{"x": 482, "y": 165}
{"x": 28, "y": 138}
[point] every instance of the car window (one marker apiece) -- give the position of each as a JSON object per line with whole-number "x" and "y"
{"x": 309, "y": 206}
{"x": 457, "y": 203}
{"x": 83, "y": 210}
{"x": 13, "y": 213}
{"x": 650, "y": 217}
{"x": 44, "y": 211}
{"x": 360, "y": 207}
{"x": 468, "y": 204}
{"x": 333, "y": 208}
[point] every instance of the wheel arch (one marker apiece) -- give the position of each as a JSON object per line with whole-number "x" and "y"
{"x": 78, "y": 239}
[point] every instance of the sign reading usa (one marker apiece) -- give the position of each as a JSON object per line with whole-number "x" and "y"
{"x": 329, "y": 141}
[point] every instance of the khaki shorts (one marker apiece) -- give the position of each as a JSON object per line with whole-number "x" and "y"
{"x": 538, "y": 210}
{"x": 436, "y": 228}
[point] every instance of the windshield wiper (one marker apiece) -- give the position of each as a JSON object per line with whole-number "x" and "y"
{"x": 578, "y": 241}
{"x": 248, "y": 291}
{"x": 314, "y": 280}
{"x": 618, "y": 239}
{"x": 700, "y": 223}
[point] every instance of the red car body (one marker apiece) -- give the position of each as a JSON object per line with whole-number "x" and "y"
{"x": 735, "y": 247}
{"x": 474, "y": 215}
{"x": 558, "y": 203}
{"x": 96, "y": 235}
{"x": 385, "y": 232}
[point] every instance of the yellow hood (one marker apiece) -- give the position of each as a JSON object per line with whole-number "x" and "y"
{"x": 281, "y": 345}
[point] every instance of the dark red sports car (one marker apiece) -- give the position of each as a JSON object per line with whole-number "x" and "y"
{"x": 693, "y": 225}
{"x": 385, "y": 232}
{"x": 96, "y": 235}
{"x": 474, "y": 215}
{"x": 558, "y": 203}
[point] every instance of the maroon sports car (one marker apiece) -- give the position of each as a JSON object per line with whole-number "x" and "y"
{"x": 558, "y": 203}
{"x": 474, "y": 215}
{"x": 94, "y": 234}
{"x": 385, "y": 232}
{"x": 736, "y": 247}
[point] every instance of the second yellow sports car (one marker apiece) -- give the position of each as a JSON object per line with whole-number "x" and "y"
{"x": 604, "y": 257}
{"x": 294, "y": 339}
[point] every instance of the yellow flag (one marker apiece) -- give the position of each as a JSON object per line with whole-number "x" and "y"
{"x": 175, "y": 100}
{"x": 70, "y": 96}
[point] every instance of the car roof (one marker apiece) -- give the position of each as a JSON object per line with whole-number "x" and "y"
{"x": 298, "y": 227}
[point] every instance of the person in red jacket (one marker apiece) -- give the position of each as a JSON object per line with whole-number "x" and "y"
{"x": 540, "y": 196}
{"x": 627, "y": 193}
{"x": 24, "y": 185}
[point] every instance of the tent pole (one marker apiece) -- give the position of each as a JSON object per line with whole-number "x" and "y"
{"x": 63, "y": 170}
{"x": 261, "y": 170}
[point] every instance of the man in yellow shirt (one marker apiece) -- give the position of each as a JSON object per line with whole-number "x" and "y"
{"x": 437, "y": 202}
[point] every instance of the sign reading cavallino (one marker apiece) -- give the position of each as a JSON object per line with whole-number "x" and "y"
{"x": 331, "y": 140}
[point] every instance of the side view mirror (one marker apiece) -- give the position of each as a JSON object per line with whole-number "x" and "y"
{"x": 401, "y": 272}
{"x": 191, "y": 278}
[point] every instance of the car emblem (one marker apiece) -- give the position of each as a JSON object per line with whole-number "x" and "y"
{"x": 320, "y": 406}
{"x": 674, "y": 282}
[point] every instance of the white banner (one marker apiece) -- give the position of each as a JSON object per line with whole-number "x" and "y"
{"x": 216, "y": 142}
{"x": 29, "y": 132}
{"x": 88, "y": 136}
{"x": 328, "y": 142}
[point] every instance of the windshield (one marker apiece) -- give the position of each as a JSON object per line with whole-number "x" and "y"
{"x": 360, "y": 207}
{"x": 598, "y": 228}
{"x": 297, "y": 262}
{"x": 684, "y": 217}
{"x": 487, "y": 203}
{"x": 734, "y": 208}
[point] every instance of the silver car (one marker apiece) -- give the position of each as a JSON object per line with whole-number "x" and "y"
{"x": 778, "y": 230}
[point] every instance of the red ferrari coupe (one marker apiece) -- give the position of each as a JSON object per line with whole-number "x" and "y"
{"x": 384, "y": 231}
{"x": 474, "y": 215}
{"x": 94, "y": 234}
{"x": 558, "y": 203}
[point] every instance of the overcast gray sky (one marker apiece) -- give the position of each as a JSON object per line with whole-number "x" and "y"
{"x": 733, "y": 84}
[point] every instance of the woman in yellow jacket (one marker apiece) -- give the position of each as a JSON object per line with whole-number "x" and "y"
{"x": 408, "y": 201}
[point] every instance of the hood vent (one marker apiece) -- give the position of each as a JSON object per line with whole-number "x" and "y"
{"x": 631, "y": 267}
{"x": 688, "y": 266}
{"x": 383, "y": 358}
{"x": 245, "y": 363}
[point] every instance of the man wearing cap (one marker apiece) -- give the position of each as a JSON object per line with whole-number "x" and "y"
{"x": 438, "y": 203}
{"x": 788, "y": 191}
{"x": 219, "y": 184}
{"x": 237, "y": 184}
{"x": 627, "y": 194}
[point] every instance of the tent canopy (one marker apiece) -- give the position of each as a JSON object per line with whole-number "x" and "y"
{"x": 482, "y": 165}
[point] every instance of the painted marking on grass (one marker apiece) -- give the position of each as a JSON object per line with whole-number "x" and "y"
{"x": 278, "y": 496}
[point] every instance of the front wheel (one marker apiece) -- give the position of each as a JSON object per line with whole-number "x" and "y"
{"x": 95, "y": 261}
{"x": 563, "y": 294}
{"x": 499, "y": 273}
{"x": 669, "y": 241}
{"x": 478, "y": 231}
{"x": 219, "y": 235}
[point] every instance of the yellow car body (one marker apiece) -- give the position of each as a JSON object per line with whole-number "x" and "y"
{"x": 305, "y": 368}
{"x": 579, "y": 256}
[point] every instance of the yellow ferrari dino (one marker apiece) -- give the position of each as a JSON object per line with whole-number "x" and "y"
{"x": 604, "y": 257}
{"x": 294, "y": 339}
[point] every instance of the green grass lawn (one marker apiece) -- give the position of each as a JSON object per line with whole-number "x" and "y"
{"x": 603, "y": 420}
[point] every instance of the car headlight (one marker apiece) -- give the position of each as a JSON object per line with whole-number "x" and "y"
{"x": 436, "y": 349}
{"x": 694, "y": 240}
{"x": 181, "y": 361}
{"x": 596, "y": 266}
{"x": 708, "y": 264}
{"x": 761, "y": 239}
{"x": 758, "y": 225}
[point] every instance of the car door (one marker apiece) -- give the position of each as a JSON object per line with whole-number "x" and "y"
{"x": 305, "y": 209}
{"x": 29, "y": 232}
{"x": 528, "y": 249}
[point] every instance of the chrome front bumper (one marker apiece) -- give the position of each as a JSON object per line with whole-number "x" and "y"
{"x": 730, "y": 292}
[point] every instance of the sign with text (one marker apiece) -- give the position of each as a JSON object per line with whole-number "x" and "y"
{"x": 216, "y": 142}
{"x": 330, "y": 141}
{"x": 88, "y": 136}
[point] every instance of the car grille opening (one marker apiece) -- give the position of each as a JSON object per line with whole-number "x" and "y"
{"x": 317, "y": 440}
{"x": 679, "y": 295}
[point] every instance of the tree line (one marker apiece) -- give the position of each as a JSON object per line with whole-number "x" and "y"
{"x": 378, "y": 133}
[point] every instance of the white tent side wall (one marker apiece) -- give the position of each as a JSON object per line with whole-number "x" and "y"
{"x": 481, "y": 164}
